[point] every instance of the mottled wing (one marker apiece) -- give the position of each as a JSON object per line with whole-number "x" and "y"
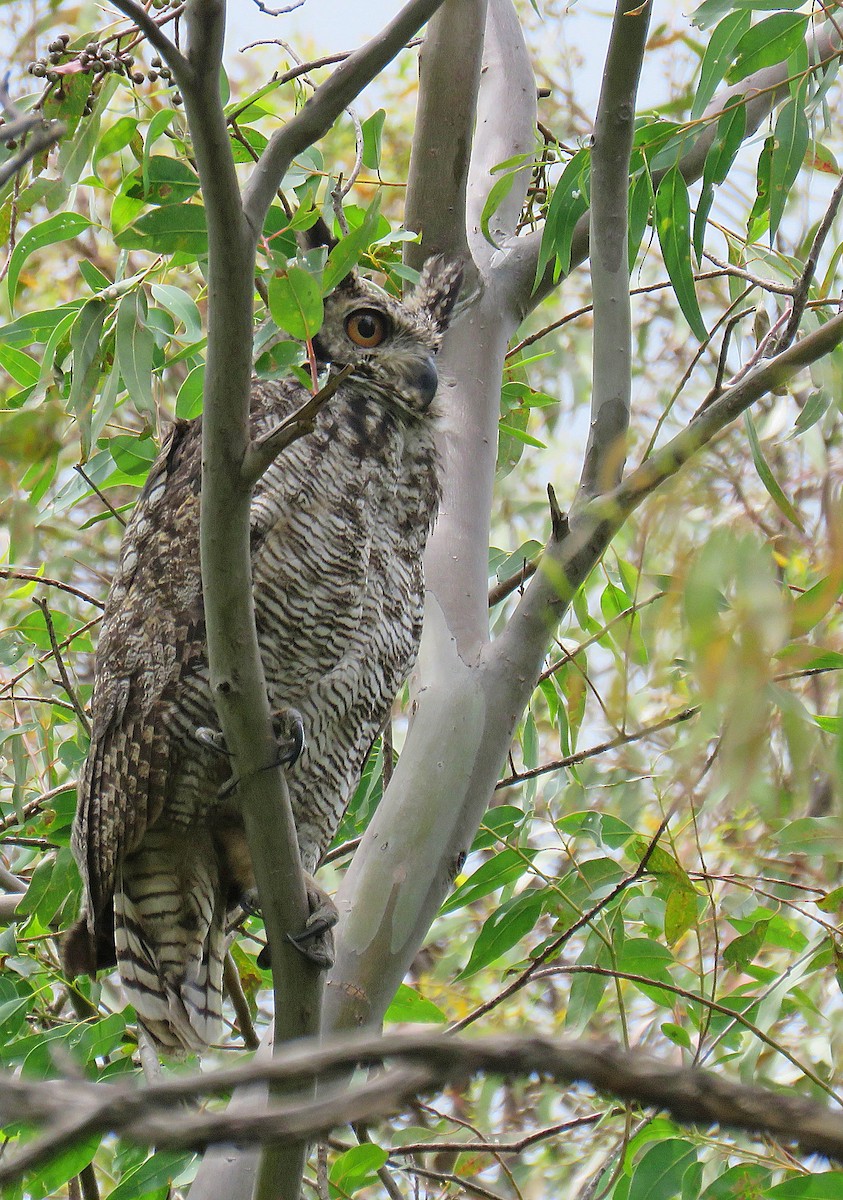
{"x": 153, "y": 633}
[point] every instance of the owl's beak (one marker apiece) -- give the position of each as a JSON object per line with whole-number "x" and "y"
{"x": 423, "y": 379}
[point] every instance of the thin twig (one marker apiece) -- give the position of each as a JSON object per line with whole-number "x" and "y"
{"x": 168, "y": 50}
{"x": 800, "y": 292}
{"x": 88, "y": 1179}
{"x": 32, "y": 577}
{"x": 623, "y": 739}
{"x": 39, "y": 134}
{"x": 34, "y": 806}
{"x": 263, "y": 453}
{"x": 556, "y": 945}
{"x": 767, "y": 285}
{"x": 513, "y": 1147}
{"x": 65, "y": 678}
{"x": 11, "y": 684}
{"x": 277, "y": 12}
{"x": 81, "y": 470}
{"x": 724, "y": 1010}
{"x": 231, "y": 980}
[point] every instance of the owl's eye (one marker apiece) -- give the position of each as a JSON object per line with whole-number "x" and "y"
{"x": 366, "y": 327}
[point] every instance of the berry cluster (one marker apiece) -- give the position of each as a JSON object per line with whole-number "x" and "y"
{"x": 96, "y": 59}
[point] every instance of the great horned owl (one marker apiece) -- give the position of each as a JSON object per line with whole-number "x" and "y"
{"x": 338, "y": 528}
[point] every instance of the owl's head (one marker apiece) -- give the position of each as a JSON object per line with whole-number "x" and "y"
{"x": 391, "y": 343}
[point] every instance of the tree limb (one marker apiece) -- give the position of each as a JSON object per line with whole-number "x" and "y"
{"x": 566, "y": 563}
{"x": 175, "y": 60}
{"x": 71, "y": 1109}
{"x": 505, "y": 127}
{"x": 39, "y": 134}
{"x": 263, "y": 453}
{"x": 605, "y": 452}
{"x": 763, "y": 90}
{"x": 326, "y": 104}
{"x": 449, "y": 77}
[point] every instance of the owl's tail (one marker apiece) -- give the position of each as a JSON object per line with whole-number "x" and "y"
{"x": 169, "y": 932}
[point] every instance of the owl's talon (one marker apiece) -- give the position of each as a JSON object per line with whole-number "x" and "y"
{"x": 315, "y": 941}
{"x": 213, "y": 739}
{"x": 249, "y": 902}
{"x": 288, "y": 727}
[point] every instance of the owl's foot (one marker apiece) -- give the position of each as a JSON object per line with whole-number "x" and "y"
{"x": 315, "y": 941}
{"x": 288, "y": 727}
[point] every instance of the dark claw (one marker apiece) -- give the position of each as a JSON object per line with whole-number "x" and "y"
{"x": 314, "y": 941}
{"x": 249, "y": 902}
{"x": 213, "y": 739}
{"x": 288, "y": 727}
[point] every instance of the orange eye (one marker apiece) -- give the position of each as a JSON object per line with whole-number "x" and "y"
{"x": 366, "y": 328}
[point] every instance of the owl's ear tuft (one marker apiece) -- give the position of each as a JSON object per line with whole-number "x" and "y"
{"x": 437, "y": 291}
{"x": 318, "y": 234}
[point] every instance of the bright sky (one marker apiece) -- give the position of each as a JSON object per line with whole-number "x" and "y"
{"x": 331, "y": 24}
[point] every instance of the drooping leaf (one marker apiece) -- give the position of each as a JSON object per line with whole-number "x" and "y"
{"x": 507, "y": 925}
{"x": 641, "y": 199}
{"x": 791, "y": 142}
{"x": 134, "y": 349}
{"x": 730, "y": 134}
{"x": 59, "y": 228}
{"x": 673, "y": 223}
{"x": 718, "y": 57}
{"x": 163, "y": 181}
{"x": 505, "y": 868}
{"x": 295, "y": 301}
{"x": 158, "y": 1171}
{"x": 189, "y": 399}
{"x": 85, "y": 343}
{"x": 408, "y": 1006}
{"x": 766, "y": 475}
{"x": 770, "y": 41}
{"x": 355, "y": 1168}
{"x": 659, "y": 1172}
{"x": 498, "y": 192}
{"x": 167, "y": 230}
{"x": 346, "y": 254}
{"x": 372, "y": 131}
{"x": 568, "y": 203}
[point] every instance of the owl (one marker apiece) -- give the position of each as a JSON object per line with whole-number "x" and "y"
{"x": 339, "y": 524}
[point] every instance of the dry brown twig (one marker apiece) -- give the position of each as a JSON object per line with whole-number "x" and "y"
{"x": 68, "y": 1109}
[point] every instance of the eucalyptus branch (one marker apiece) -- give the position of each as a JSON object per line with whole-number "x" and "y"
{"x": 262, "y": 453}
{"x": 605, "y": 452}
{"x": 232, "y": 984}
{"x": 553, "y": 948}
{"x": 439, "y": 161}
{"x": 59, "y": 661}
{"x": 615, "y": 743}
{"x": 326, "y": 104}
{"x": 505, "y": 129}
{"x": 39, "y": 134}
{"x": 758, "y": 93}
{"x": 803, "y": 284}
{"x": 33, "y": 577}
{"x": 567, "y": 561}
{"x": 153, "y": 33}
{"x": 72, "y": 1109}
{"x": 80, "y": 470}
